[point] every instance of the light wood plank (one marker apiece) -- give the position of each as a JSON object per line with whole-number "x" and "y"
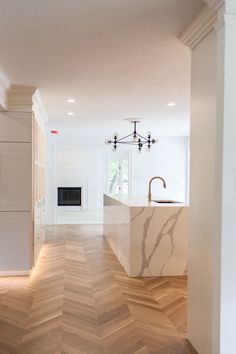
{"x": 83, "y": 303}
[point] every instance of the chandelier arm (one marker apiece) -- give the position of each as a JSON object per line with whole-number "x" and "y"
{"x": 143, "y": 137}
{"x": 118, "y": 140}
{"x": 130, "y": 142}
{"x": 137, "y": 139}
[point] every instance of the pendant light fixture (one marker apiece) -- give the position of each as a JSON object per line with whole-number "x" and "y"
{"x": 133, "y": 139}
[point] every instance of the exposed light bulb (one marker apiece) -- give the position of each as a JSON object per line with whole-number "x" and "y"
{"x": 70, "y": 113}
{"x": 71, "y": 100}
{"x": 140, "y": 145}
{"x": 133, "y": 139}
{"x": 154, "y": 141}
{"x": 171, "y": 104}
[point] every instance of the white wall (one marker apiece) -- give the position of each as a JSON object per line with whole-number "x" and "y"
{"x": 73, "y": 164}
{"x": 227, "y": 201}
{"x": 212, "y": 279}
{"x": 71, "y": 158}
{"x": 168, "y": 159}
{"x": 81, "y": 166}
{"x": 202, "y": 193}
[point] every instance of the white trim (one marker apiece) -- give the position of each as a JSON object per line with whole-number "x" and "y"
{"x": 220, "y": 18}
{"x": 39, "y": 163}
{"x": 55, "y": 182}
{"x": 202, "y": 24}
{"x": 83, "y": 222}
{"x": 119, "y": 155}
{"x": 70, "y": 217}
{"x": 4, "y": 86}
{"x": 215, "y": 4}
{"x": 14, "y": 273}
{"x": 88, "y": 216}
{"x": 131, "y": 162}
{"x": 83, "y": 184}
{"x": 187, "y": 185}
{"x": 39, "y": 109}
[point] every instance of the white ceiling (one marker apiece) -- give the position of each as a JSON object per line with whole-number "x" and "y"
{"x": 117, "y": 58}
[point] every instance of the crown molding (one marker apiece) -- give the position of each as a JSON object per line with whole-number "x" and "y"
{"x": 38, "y": 109}
{"x": 215, "y": 4}
{"x": 4, "y": 86}
{"x": 20, "y": 98}
{"x": 202, "y": 24}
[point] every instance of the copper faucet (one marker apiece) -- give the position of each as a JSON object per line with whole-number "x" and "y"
{"x": 149, "y": 188}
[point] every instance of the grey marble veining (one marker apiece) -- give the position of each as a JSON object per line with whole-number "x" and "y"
{"x": 147, "y": 240}
{"x": 166, "y": 231}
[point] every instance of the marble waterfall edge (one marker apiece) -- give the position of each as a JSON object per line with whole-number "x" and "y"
{"x": 147, "y": 240}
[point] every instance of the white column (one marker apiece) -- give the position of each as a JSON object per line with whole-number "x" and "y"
{"x": 226, "y": 115}
{"x": 212, "y": 251}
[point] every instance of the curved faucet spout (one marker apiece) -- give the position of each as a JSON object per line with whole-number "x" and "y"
{"x": 150, "y": 183}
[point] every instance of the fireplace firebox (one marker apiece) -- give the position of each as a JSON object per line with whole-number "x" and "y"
{"x": 69, "y": 196}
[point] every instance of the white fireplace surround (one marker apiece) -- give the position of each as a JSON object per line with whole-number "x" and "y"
{"x": 83, "y": 184}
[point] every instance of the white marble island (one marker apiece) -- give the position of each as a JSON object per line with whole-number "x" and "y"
{"x": 149, "y": 239}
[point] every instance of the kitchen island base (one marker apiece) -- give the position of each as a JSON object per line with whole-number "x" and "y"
{"x": 148, "y": 239}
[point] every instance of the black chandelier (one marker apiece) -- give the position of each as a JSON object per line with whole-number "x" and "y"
{"x": 133, "y": 139}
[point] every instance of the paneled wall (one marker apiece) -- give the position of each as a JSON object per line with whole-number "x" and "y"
{"x": 15, "y": 191}
{"x": 22, "y": 197}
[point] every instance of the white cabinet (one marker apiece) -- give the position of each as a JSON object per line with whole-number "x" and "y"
{"x": 15, "y": 241}
{"x": 16, "y": 126}
{"x": 15, "y": 176}
{"x": 22, "y": 171}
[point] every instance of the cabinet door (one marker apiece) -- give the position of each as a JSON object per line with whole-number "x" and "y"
{"x": 15, "y": 176}
{"x": 15, "y": 126}
{"x": 15, "y": 229}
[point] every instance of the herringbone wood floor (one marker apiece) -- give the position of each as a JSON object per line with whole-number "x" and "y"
{"x": 79, "y": 300}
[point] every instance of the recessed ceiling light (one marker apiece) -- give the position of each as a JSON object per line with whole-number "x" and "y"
{"x": 70, "y": 113}
{"x": 171, "y": 104}
{"x": 71, "y": 100}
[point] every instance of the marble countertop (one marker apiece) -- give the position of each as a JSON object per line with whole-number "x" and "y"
{"x": 142, "y": 201}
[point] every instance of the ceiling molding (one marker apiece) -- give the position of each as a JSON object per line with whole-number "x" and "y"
{"x": 4, "y": 86}
{"x": 20, "y": 98}
{"x": 38, "y": 109}
{"x": 215, "y": 4}
{"x": 202, "y": 24}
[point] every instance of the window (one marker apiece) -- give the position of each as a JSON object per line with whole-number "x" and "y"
{"x": 117, "y": 176}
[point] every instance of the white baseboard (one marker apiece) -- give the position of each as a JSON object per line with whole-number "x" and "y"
{"x": 75, "y": 217}
{"x": 85, "y": 222}
{"x": 14, "y": 273}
